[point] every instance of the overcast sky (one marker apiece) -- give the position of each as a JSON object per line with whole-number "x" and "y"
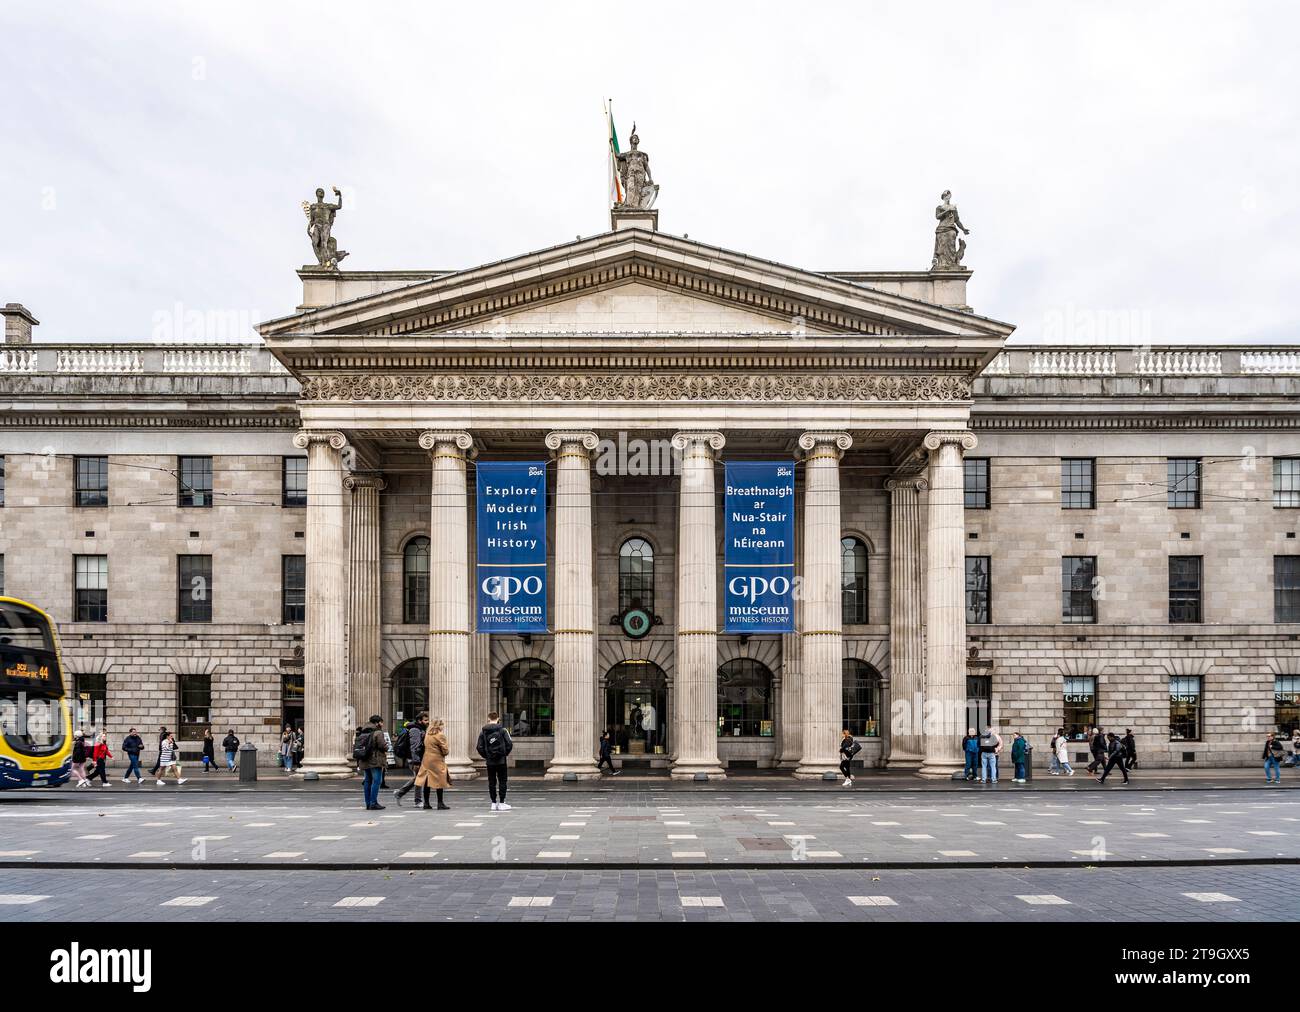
{"x": 1128, "y": 171}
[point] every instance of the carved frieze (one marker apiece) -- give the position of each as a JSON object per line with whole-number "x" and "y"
{"x": 637, "y": 387}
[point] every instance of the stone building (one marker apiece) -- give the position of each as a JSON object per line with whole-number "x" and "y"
{"x": 237, "y": 536}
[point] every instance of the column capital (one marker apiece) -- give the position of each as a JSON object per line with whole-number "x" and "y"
{"x": 826, "y": 442}
{"x": 583, "y": 438}
{"x": 913, "y": 484}
{"x": 442, "y": 441}
{"x": 358, "y": 480}
{"x": 303, "y": 438}
{"x": 940, "y": 437}
{"x": 715, "y": 441}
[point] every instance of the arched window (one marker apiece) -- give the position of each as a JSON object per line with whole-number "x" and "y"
{"x": 861, "y": 698}
{"x": 415, "y": 581}
{"x": 410, "y": 690}
{"x": 744, "y": 698}
{"x": 853, "y": 581}
{"x": 528, "y": 697}
{"x": 636, "y": 575}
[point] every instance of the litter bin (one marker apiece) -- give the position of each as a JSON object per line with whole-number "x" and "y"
{"x": 247, "y": 763}
{"x": 1029, "y": 763}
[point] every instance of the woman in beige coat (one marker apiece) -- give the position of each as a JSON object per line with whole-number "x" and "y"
{"x": 433, "y": 767}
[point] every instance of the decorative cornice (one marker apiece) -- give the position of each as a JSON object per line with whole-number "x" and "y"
{"x": 1136, "y": 422}
{"x": 620, "y": 386}
{"x": 109, "y": 420}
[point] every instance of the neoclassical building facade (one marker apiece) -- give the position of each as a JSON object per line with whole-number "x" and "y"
{"x": 239, "y": 536}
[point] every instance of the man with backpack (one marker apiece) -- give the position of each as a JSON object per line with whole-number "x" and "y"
{"x": 410, "y": 746}
{"x": 1098, "y": 749}
{"x": 1273, "y": 754}
{"x": 494, "y": 745}
{"x": 231, "y": 745}
{"x": 1115, "y": 756}
{"x": 990, "y": 748}
{"x": 370, "y": 750}
{"x": 1130, "y": 748}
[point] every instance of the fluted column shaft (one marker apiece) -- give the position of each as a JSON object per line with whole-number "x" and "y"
{"x": 906, "y": 624}
{"x": 328, "y": 719}
{"x": 791, "y": 725}
{"x": 945, "y": 604}
{"x": 696, "y": 663}
{"x": 575, "y": 661}
{"x": 363, "y": 594}
{"x": 822, "y": 638}
{"x": 449, "y": 630}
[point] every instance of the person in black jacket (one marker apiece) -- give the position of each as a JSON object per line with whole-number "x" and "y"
{"x": 606, "y": 754}
{"x": 231, "y": 744}
{"x": 848, "y": 749}
{"x": 1115, "y": 756}
{"x": 132, "y": 745}
{"x": 162, "y": 737}
{"x": 415, "y": 735}
{"x": 209, "y": 751}
{"x": 494, "y": 745}
{"x": 1130, "y": 748}
{"x": 1098, "y": 749}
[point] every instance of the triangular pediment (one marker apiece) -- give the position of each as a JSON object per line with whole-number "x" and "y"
{"x": 633, "y": 281}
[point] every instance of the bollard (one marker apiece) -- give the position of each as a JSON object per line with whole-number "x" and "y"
{"x": 1029, "y": 763}
{"x": 247, "y": 763}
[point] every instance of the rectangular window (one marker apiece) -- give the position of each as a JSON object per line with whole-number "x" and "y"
{"x": 1184, "y": 588}
{"x": 979, "y": 593}
{"x": 1286, "y": 703}
{"x": 1185, "y": 708}
{"x": 194, "y": 588}
{"x": 92, "y": 481}
{"x": 293, "y": 589}
{"x": 1080, "y": 707}
{"x": 1286, "y": 588}
{"x": 295, "y": 481}
{"x": 1078, "y": 577}
{"x": 194, "y": 481}
{"x": 195, "y": 698}
{"x": 977, "y": 483}
{"x": 90, "y": 580}
{"x": 1286, "y": 482}
{"x": 1184, "y": 483}
{"x": 90, "y": 707}
{"x": 1078, "y": 483}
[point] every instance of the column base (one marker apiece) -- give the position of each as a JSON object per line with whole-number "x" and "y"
{"x": 688, "y": 771}
{"x": 581, "y": 770}
{"x": 905, "y": 763}
{"x": 462, "y": 771}
{"x": 327, "y": 769}
{"x": 816, "y": 771}
{"x": 941, "y": 769}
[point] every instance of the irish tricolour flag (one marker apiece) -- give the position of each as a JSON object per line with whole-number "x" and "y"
{"x": 615, "y": 187}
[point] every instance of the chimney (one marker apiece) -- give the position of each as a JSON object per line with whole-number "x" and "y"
{"x": 18, "y": 323}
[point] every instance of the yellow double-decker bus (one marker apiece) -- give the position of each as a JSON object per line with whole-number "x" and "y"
{"x": 35, "y": 723}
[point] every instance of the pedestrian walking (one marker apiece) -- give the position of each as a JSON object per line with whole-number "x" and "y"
{"x": 849, "y": 747}
{"x": 433, "y": 773}
{"x": 299, "y": 748}
{"x": 1115, "y": 756}
{"x": 79, "y": 756}
{"x": 1273, "y": 753}
{"x": 1053, "y": 763}
{"x": 286, "y": 749}
{"x": 209, "y": 752}
{"x": 369, "y": 752}
{"x": 1098, "y": 748}
{"x": 231, "y": 745}
{"x": 1019, "y": 754}
{"x": 990, "y": 748}
{"x": 101, "y": 755}
{"x": 1130, "y": 748}
{"x": 1063, "y": 754}
{"x": 132, "y": 746}
{"x": 970, "y": 747}
{"x": 169, "y": 760}
{"x": 162, "y": 736}
{"x": 494, "y": 745}
{"x": 413, "y": 746}
{"x": 606, "y": 754}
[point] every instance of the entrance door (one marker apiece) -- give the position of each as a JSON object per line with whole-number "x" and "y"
{"x": 291, "y": 698}
{"x": 636, "y": 708}
{"x": 979, "y": 700}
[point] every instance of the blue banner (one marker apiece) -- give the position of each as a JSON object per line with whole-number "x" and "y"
{"x": 758, "y": 561}
{"x": 511, "y": 555}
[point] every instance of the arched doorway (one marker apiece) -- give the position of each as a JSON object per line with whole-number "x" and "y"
{"x": 636, "y": 707}
{"x": 745, "y": 699}
{"x": 410, "y": 691}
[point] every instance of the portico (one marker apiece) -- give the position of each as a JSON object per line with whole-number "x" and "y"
{"x": 637, "y": 337}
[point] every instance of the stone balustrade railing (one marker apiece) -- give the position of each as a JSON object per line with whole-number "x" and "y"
{"x": 1185, "y": 362}
{"x": 139, "y": 359}
{"x": 1072, "y": 362}
{"x": 1179, "y": 362}
{"x": 1271, "y": 363}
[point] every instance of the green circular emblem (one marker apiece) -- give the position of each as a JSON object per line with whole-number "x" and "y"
{"x": 636, "y": 623}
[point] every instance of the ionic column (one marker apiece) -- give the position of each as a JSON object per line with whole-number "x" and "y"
{"x": 791, "y": 721}
{"x": 449, "y": 631}
{"x": 945, "y": 604}
{"x": 328, "y": 721}
{"x": 821, "y": 637}
{"x": 696, "y": 664}
{"x": 575, "y": 660}
{"x": 906, "y": 624}
{"x": 363, "y": 595}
